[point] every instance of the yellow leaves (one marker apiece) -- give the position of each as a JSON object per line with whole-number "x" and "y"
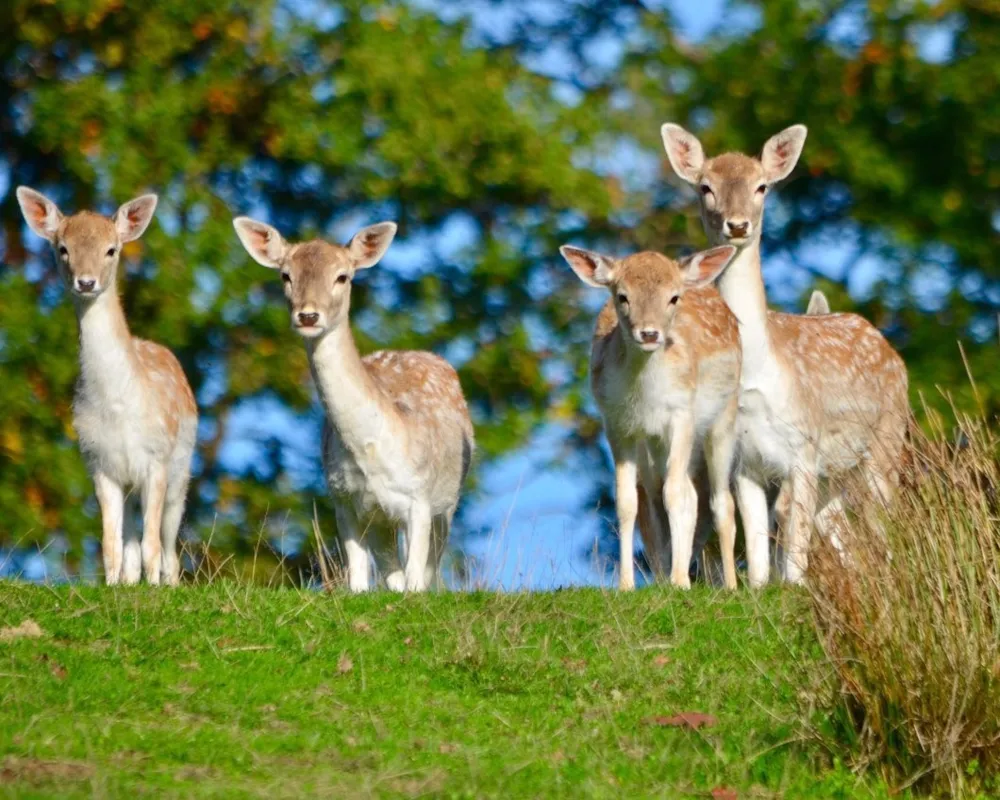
{"x": 875, "y": 53}
{"x": 387, "y": 19}
{"x": 132, "y": 250}
{"x": 33, "y": 496}
{"x": 563, "y": 411}
{"x": 229, "y": 490}
{"x": 238, "y": 30}
{"x": 38, "y": 387}
{"x": 12, "y": 442}
{"x": 952, "y": 200}
{"x": 202, "y": 29}
{"x": 221, "y": 100}
{"x": 274, "y": 143}
{"x": 616, "y": 194}
{"x": 98, "y": 12}
{"x": 114, "y": 53}
{"x": 90, "y": 137}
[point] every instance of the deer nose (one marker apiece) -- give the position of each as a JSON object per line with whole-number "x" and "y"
{"x": 85, "y": 284}
{"x": 649, "y": 335}
{"x": 308, "y": 318}
{"x": 737, "y": 228}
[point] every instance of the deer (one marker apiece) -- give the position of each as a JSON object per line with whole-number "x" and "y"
{"x": 818, "y": 304}
{"x": 397, "y": 439}
{"x": 134, "y": 413}
{"x": 822, "y": 397}
{"x": 664, "y": 366}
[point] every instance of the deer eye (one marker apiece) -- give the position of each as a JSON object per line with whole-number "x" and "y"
{"x": 111, "y": 252}
{"x": 623, "y": 298}
{"x": 674, "y": 299}
{"x": 342, "y": 278}
{"x": 63, "y": 252}
{"x": 705, "y": 189}
{"x": 286, "y": 277}
{"x": 762, "y": 189}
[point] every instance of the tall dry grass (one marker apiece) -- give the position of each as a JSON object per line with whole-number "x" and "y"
{"x": 910, "y": 621}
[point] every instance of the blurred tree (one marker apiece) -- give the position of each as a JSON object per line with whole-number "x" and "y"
{"x": 897, "y": 196}
{"x": 499, "y": 142}
{"x": 320, "y": 117}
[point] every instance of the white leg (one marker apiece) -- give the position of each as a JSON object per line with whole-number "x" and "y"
{"x": 418, "y": 538}
{"x": 132, "y": 552}
{"x": 354, "y": 550}
{"x": 153, "y": 497}
{"x": 173, "y": 512}
{"x": 627, "y": 506}
{"x": 724, "y": 514}
{"x": 801, "y": 512}
{"x": 111, "y": 498}
{"x": 752, "y": 501}
{"x": 681, "y": 500}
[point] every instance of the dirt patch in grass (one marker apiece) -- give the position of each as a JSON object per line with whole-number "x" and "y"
{"x": 37, "y": 770}
{"x": 29, "y": 629}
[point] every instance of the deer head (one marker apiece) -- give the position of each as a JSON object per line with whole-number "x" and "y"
{"x": 732, "y": 186}
{"x": 87, "y": 245}
{"x": 648, "y": 288}
{"x": 316, "y": 275}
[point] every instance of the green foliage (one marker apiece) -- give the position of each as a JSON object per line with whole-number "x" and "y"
{"x": 226, "y": 689}
{"x": 252, "y": 106}
{"x": 323, "y": 116}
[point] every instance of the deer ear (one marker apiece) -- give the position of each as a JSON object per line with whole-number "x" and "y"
{"x": 818, "y": 304}
{"x": 41, "y": 214}
{"x": 781, "y": 153}
{"x": 133, "y": 217}
{"x": 369, "y": 244}
{"x": 684, "y": 151}
{"x": 594, "y": 269}
{"x": 702, "y": 269}
{"x": 262, "y": 242}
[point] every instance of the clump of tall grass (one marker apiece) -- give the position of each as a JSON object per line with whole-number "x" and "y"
{"x": 910, "y": 621}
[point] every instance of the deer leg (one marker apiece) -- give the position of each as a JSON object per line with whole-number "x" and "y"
{"x": 681, "y": 500}
{"x": 418, "y": 537}
{"x": 153, "y": 496}
{"x": 627, "y": 507}
{"x": 355, "y": 551}
{"x": 800, "y": 522}
{"x": 111, "y": 499}
{"x": 720, "y": 465}
{"x": 752, "y": 501}
{"x": 173, "y": 512}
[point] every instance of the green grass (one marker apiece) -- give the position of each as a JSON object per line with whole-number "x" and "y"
{"x": 228, "y": 690}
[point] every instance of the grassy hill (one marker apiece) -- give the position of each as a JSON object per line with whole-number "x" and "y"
{"x": 229, "y": 690}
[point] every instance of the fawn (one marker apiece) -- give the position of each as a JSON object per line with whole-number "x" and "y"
{"x": 134, "y": 412}
{"x": 821, "y": 396}
{"x": 665, "y": 364}
{"x": 397, "y": 439}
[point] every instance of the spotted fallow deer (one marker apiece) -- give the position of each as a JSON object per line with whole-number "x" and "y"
{"x": 818, "y": 304}
{"x": 398, "y": 439}
{"x": 821, "y": 396}
{"x": 665, "y": 365}
{"x": 134, "y": 413}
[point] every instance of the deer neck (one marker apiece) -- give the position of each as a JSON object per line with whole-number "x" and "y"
{"x": 350, "y": 397}
{"x": 742, "y": 289}
{"x": 107, "y": 363}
